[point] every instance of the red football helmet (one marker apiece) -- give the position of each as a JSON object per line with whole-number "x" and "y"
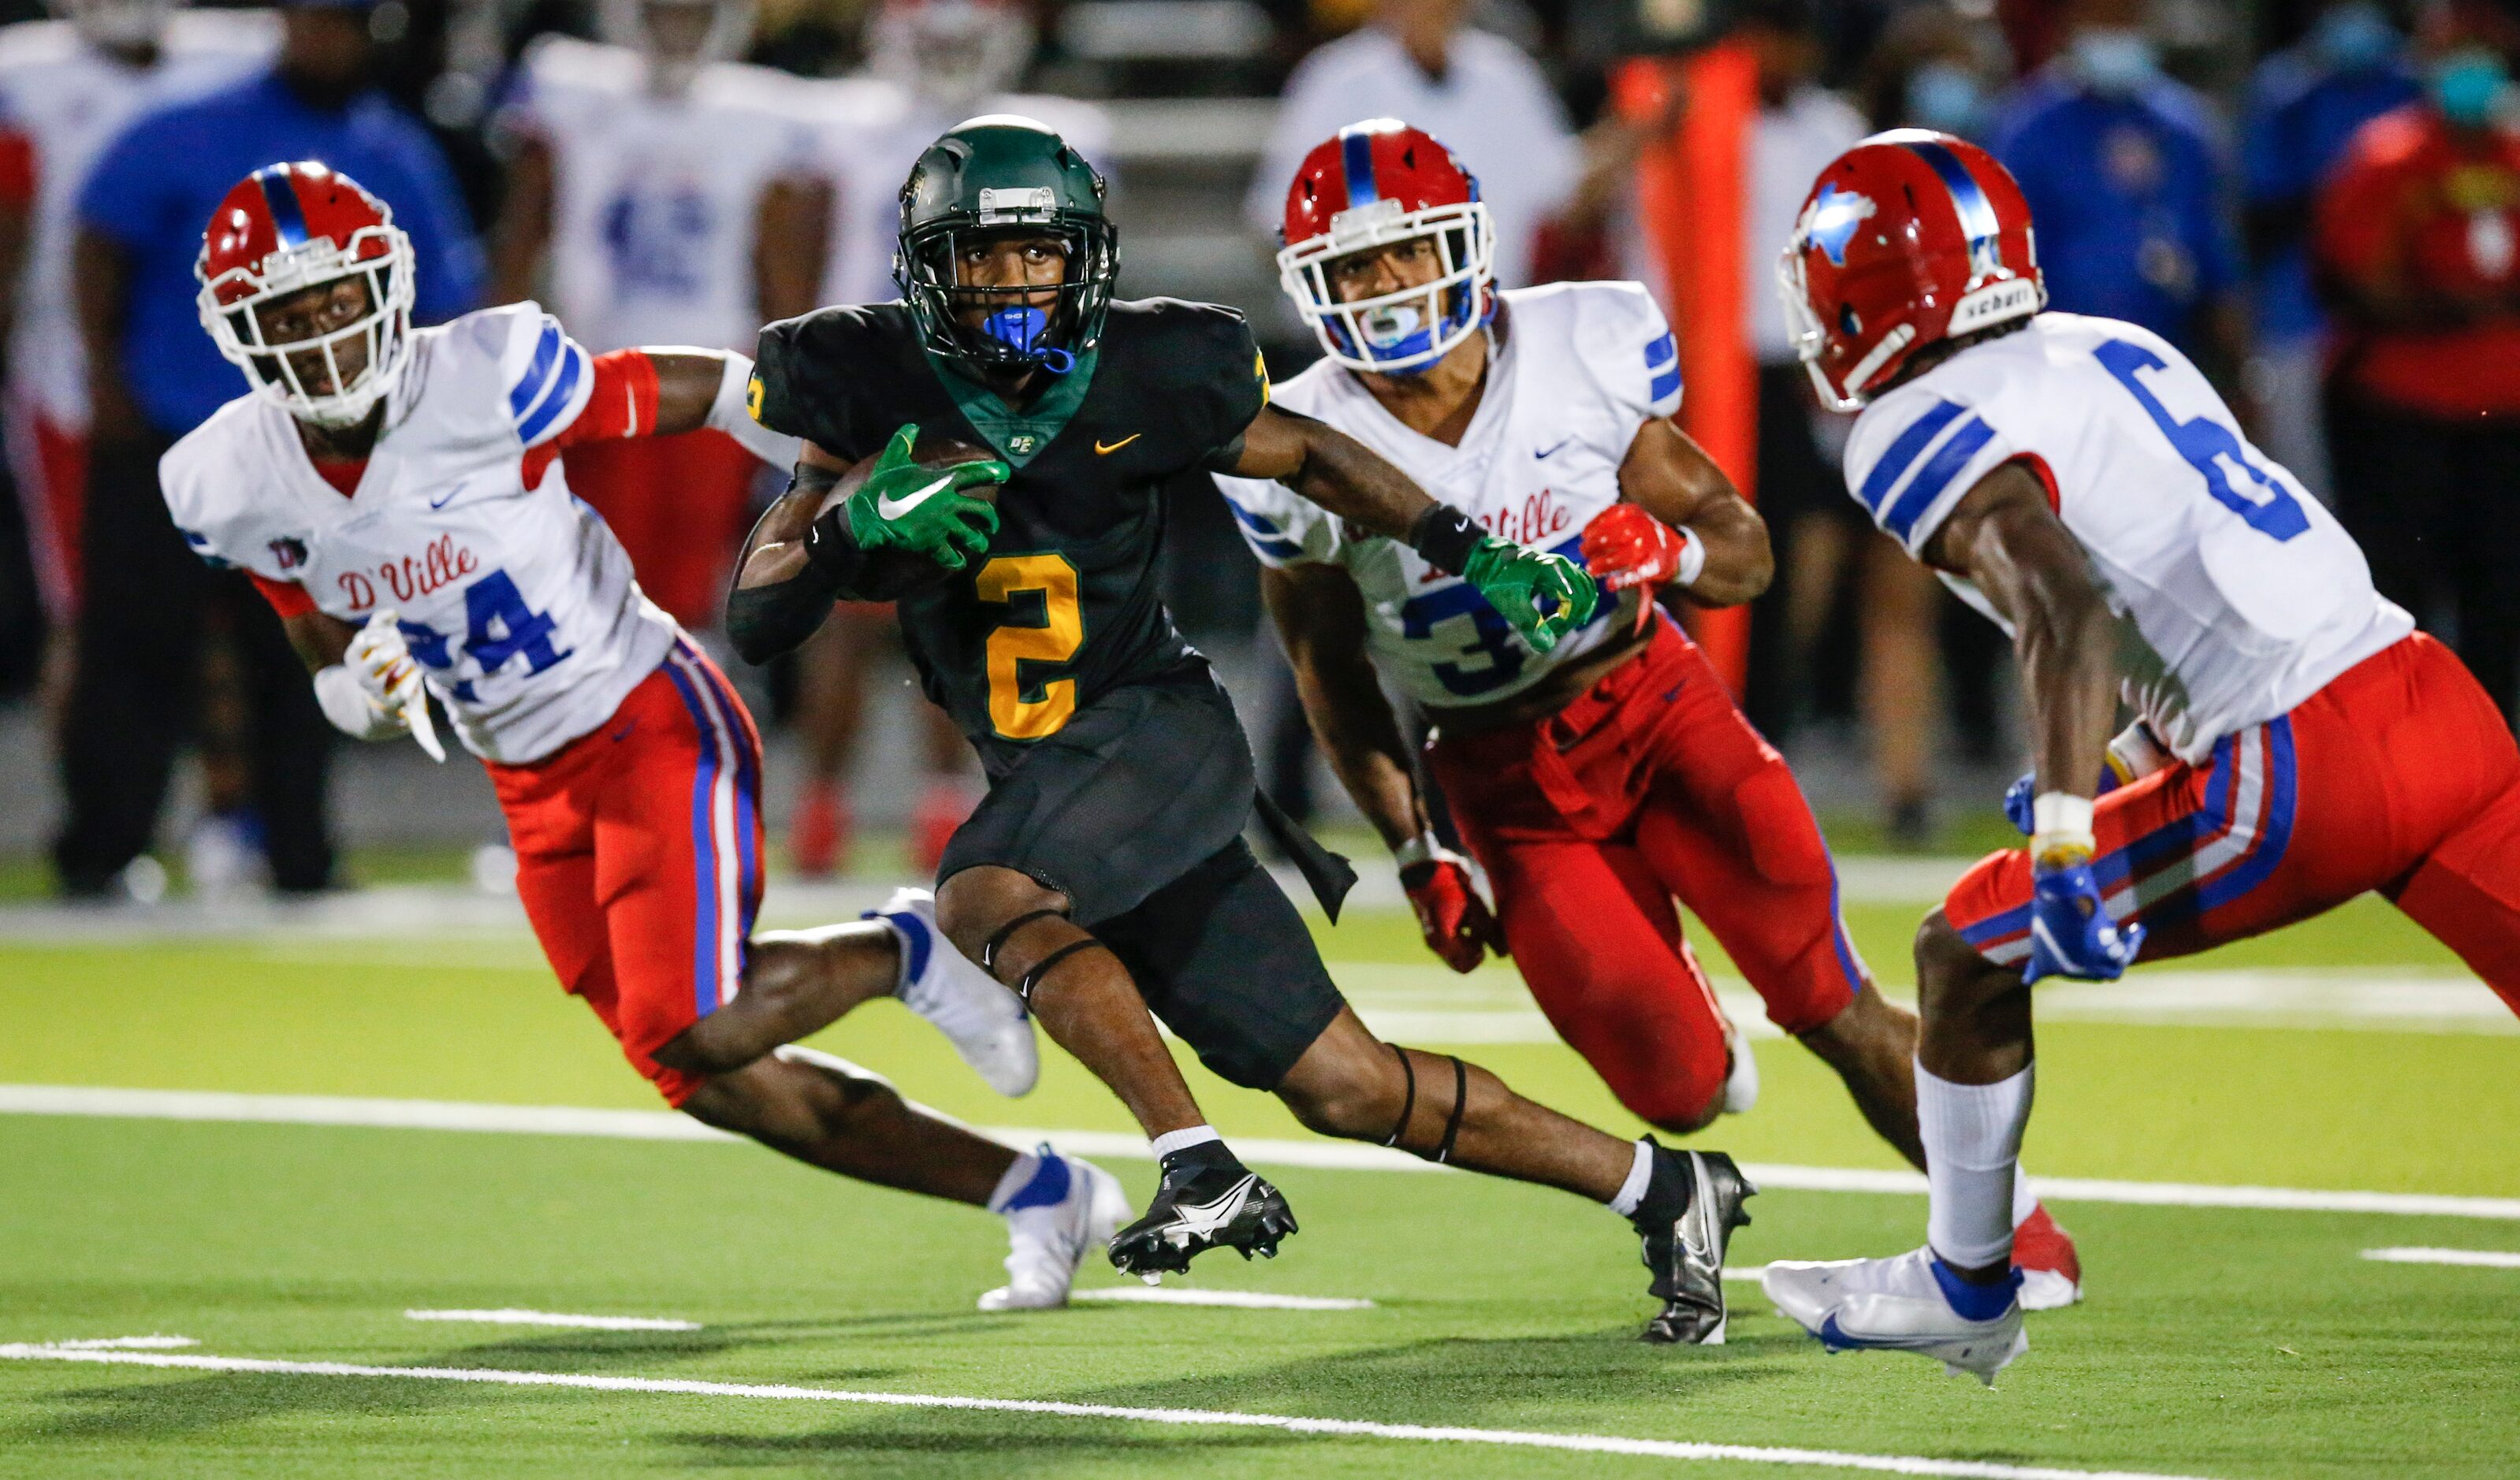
{"x": 287, "y": 228}
{"x": 1379, "y": 182}
{"x": 1910, "y": 237}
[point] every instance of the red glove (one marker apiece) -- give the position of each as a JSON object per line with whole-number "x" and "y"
{"x": 1451, "y": 914}
{"x": 1624, "y": 545}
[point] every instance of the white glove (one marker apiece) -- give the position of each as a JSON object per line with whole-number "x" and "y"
{"x": 375, "y": 692}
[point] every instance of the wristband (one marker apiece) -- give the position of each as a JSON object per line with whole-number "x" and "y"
{"x": 1422, "y": 849}
{"x": 1692, "y": 557}
{"x": 2061, "y": 828}
{"x": 1445, "y": 537}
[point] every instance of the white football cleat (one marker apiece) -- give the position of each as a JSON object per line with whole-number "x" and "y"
{"x": 1893, "y": 1305}
{"x": 1741, "y": 1083}
{"x": 1048, "y": 1239}
{"x": 984, "y": 1021}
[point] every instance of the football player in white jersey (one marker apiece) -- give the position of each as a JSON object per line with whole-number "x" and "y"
{"x": 930, "y": 65}
{"x": 2297, "y": 742}
{"x": 393, "y": 493}
{"x": 67, "y": 87}
{"x": 1598, "y": 782}
{"x": 666, "y": 196}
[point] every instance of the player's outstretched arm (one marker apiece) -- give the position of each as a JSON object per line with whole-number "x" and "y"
{"x": 1666, "y": 475}
{"x": 1544, "y": 596}
{"x": 2004, "y": 538}
{"x": 1320, "y": 617}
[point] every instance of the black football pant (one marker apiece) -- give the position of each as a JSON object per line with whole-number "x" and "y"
{"x": 150, "y": 608}
{"x": 2436, "y": 507}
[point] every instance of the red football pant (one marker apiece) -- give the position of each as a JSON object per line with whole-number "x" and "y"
{"x": 50, "y": 462}
{"x": 679, "y": 504}
{"x": 2400, "y": 776}
{"x": 1649, "y": 786}
{"x": 639, "y": 858}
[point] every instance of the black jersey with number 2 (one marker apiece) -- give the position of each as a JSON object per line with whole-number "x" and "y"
{"x": 1063, "y": 606}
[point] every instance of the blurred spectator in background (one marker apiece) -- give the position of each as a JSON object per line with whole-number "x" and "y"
{"x": 152, "y": 375}
{"x": 1933, "y": 68}
{"x": 663, "y": 198}
{"x": 2304, "y": 103}
{"x": 1480, "y": 94}
{"x": 2418, "y": 240}
{"x": 67, "y": 87}
{"x": 1826, "y": 550}
{"x": 930, "y": 64}
{"x": 2123, "y": 171}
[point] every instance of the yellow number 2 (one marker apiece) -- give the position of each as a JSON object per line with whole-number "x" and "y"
{"x": 1054, "y": 641}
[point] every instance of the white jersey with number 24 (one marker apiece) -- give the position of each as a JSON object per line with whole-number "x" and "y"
{"x": 2246, "y": 592}
{"x": 512, "y": 593}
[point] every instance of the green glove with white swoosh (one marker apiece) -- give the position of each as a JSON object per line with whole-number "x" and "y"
{"x": 924, "y": 509}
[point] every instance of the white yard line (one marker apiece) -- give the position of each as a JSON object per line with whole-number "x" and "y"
{"x": 2484, "y": 1259}
{"x": 513, "y": 1317}
{"x": 1243, "y": 1300}
{"x": 1343, "y": 1428}
{"x": 128, "y": 1344}
{"x": 1329, "y": 1155}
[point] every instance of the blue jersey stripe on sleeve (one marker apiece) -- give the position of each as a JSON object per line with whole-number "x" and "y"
{"x": 1265, "y": 535}
{"x": 522, "y": 395}
{"x": 1903, "y": 451}
{"x": 1665, "y": 385}
{"x": 1935, "y": 477}
{"x": 1661, "y": 353}
{"x": 563, "y": 385}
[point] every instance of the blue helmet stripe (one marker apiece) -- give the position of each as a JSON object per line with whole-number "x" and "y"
{"x": 286, "y": 215}
{"x": 1976, "y": 211}
{"x": 1355, "y": 152}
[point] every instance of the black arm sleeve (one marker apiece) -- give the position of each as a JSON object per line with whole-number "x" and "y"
{"x": 765, "y": 622}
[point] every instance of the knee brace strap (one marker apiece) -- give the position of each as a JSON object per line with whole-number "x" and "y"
{"x": 996, "y": 942}
{"x": 1408, "y": 1101}
{"x": 1461, "y": 1103}
{"x": 1041, "y": 967}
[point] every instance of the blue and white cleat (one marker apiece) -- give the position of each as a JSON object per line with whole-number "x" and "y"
{"x": 984, "y": 1021}
{"x": 1069, "y": 1208}
{"x": 1899, "y": 1304}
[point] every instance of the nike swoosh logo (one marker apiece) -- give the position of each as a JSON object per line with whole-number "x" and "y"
{"x": 1203, "y": 1220}
{"x": 1104, "y": 451}
{"x": 452, "y": 494}
{"x": 890, "y": 508}
{"x": 1553, "y": 451}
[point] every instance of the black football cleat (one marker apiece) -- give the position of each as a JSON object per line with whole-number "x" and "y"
{"x": 1685, "y": 1253}
{"x": 1227, "y": 1206}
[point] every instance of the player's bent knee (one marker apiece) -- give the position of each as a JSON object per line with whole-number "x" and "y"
{"x": 976, "y": 904}
{"x": 1952, "y": 977}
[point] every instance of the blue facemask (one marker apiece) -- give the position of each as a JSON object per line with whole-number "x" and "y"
{"x": 1946, "y": 96}
{"x": 2355, "y": 37}
{"x": 2116, "y": 63}
{"x": 2468, "y": 87}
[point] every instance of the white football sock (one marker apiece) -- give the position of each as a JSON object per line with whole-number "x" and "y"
{"x": 2024, "y": 1201}
{"x": 1183, "y": 1140}
{"x": 1632, "y": 1193}
{"x": 1972, "y": 1134}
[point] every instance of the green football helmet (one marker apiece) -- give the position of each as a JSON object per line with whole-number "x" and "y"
{"x": 1004, "y": 175}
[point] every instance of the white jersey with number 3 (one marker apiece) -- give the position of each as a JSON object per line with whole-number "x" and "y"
{"x": 1579, "y": 369}
{"x": 2247, "y": 594}
{"x": 514, "y": 596}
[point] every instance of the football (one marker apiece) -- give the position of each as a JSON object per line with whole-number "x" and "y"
{"x": 897, "y": 572}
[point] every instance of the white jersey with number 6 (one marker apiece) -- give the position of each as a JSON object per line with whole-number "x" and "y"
{"x": 2246, "y": 592}
{"x": 1578, "y": 369}
{"x": 514, "y": 597}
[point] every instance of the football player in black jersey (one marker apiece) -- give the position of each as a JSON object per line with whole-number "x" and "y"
{"x": 1106, "y": 873}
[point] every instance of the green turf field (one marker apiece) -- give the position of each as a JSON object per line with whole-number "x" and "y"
{"x": 2216, "y": 1342}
